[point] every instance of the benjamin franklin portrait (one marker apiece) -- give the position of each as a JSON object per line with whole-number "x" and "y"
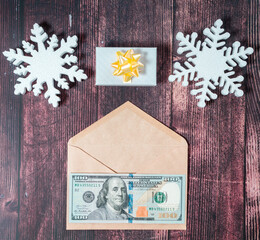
{"x": 111, "y": 201}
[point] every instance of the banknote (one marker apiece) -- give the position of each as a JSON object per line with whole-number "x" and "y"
{"x": 127, "y": 198}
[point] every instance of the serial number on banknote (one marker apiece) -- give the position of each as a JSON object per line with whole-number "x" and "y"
{"x": 127, "y": 198}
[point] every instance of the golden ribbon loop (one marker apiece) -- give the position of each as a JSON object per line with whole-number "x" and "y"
{"x": 127, "y": 65}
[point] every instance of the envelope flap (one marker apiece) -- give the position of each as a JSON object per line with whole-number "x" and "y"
{"x": 127, "y": 139}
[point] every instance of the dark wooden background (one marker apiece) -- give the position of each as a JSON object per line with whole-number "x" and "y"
{"x": 224, "y": 170}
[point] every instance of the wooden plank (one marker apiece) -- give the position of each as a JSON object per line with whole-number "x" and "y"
{"x": 252, "y": 128}
{"x": 10, "y": 106}
{"x": 215, "y": 135}
{"x": 46, "y": 130}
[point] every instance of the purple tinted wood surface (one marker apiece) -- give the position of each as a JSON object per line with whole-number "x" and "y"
{"x": 223, "y": 182}
{"x": 10, "y": 125}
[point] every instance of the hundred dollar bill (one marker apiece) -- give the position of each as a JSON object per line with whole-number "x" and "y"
{"x": 127, "y": 198}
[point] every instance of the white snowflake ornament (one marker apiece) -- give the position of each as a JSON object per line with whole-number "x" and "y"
{"x": 45, "y": 65}
{"x": 211, "y": 63}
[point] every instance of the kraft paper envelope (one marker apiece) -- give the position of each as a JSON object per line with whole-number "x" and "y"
{"x": 127, "y": 140}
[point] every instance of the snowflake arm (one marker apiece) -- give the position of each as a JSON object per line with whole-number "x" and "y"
{"x": 39, "y": 36}
{"x": 180, "y": 73}
{"x": 67, "y": 46}
{"x": 28, "y": 47}
{"x": 215, "y": 36}
{"x": 21, "y": 71}
{"x": 16, "y": 57}
{"x": 205, "y": 92}
{"x": 70, "y": 59}
{"x": 52, "y": 95}
{"x": 63, "y": 83}
{"x": 187, "y": 44}
{"x": 24, "y": 84}
{"x": 231, "y": 85}
{"x": 238, "y": 55}
{"x": 74, "y": 72}
{"x": 53, "y": 43}
{"x": 37, "y": 87}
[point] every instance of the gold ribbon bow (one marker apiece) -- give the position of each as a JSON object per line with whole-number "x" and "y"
{"x": 127, "y": 65}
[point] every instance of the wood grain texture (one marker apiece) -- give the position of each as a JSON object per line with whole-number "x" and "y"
{"x": 224, "y": 170}
{"x": 10, "y": 124}
{"x": 252, "y": 128}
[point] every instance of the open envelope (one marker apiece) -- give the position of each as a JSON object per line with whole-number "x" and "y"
{"x": 127, "y": 140}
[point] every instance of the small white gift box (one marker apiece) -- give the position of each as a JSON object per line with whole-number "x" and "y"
{"x": 105, "y": 56}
